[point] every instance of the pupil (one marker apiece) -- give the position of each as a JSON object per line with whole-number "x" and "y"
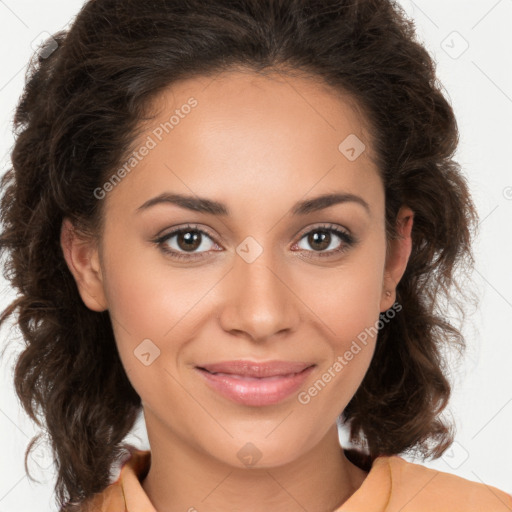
{"x": 323, "y": 237}
{"x": 190, "y": 239}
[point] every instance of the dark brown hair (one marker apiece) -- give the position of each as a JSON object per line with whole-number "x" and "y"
{"x": 83, "y": 102}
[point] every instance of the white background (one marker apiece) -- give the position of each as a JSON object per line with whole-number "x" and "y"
{"x": 478, "y": 81}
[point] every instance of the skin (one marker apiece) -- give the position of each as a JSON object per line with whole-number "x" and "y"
{"x": 259, "y": 145}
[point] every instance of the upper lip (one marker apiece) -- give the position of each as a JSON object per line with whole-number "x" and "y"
{"x": 255, "y": 368}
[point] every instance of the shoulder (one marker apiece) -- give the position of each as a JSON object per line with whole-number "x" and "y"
{"x": 414, "y": 487}
{"x": 109, "y": 499}
{"x": 130, "y": 473}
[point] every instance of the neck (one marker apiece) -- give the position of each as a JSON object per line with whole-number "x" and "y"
{"x": 182, "y": 478}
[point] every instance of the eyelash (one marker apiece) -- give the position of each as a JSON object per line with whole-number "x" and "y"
{"x": 349, "y": 241}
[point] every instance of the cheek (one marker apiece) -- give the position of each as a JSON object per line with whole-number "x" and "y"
{"x": 149, "y": 297}
{"x": 348, "y": 307}
{"x": 347, "y": 299}
{"x": 149, "y": 319}
{"x": 141, "y": 304}
{"x": 349, "y": 323}
{"x": 156, "y": 310}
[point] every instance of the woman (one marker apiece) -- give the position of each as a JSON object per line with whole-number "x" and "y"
{"x": 240, "y": 218}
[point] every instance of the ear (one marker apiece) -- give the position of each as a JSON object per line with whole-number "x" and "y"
{"x": 82, "y": 258}
{"x": 397, "y": 256}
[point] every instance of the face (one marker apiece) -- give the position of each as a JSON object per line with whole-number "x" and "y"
{"x": 267, "y": 274}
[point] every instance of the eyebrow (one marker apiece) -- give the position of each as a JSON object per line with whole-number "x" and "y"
{"x": 203, "y": 205}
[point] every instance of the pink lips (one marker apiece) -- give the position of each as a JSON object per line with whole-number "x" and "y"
{"x": 253, "y": 383}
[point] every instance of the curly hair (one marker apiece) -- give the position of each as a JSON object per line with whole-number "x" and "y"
{"x": 86, "y": 93}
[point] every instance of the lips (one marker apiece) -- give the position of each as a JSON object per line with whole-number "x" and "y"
{"x": 253, "y": 383}
{"x": 244, "y": 368}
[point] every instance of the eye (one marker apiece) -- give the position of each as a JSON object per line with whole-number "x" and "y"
{"x": 321, "y": 238}
{"x": 184, "y": 243}
{"x": 192, "y": 243}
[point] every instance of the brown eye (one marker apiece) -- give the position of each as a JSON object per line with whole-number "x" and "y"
{"x": 319, "y": 239}
{"x": 325, "y": 241}
{"x": 184, "y": 243}
{"x": 188, "y": 240}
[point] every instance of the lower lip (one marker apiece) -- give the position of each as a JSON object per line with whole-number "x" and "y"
{"x": 253, "y": 391}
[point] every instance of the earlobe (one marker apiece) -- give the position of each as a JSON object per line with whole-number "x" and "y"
{"x": 82, "y": 259}
{"x": 399, "y": 251}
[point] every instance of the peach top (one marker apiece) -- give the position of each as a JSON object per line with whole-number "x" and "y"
{"x": 392, "y": 485}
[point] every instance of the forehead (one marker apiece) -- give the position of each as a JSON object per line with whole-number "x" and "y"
{"x": 245, "y": 136}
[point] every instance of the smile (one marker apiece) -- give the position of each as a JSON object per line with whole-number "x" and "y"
{"x": 256, "y": 384}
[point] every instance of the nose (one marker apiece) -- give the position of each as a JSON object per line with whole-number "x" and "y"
{"x": 259, "y": 301}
